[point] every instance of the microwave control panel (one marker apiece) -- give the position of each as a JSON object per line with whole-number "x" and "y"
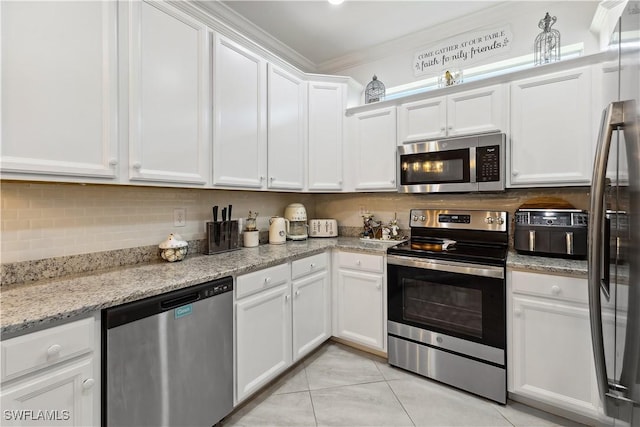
{"x": 488, "y": 163}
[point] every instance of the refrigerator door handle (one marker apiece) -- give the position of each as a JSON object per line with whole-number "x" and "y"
{"x": 612, "y": 118}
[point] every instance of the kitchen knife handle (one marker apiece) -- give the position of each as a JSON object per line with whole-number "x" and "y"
{"x": 230, "y": 207}
{"x": 215, "y": 214}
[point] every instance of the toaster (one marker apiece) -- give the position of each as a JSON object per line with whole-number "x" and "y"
{"x": 551, "y": 232}
{"x": 323, "y": 228}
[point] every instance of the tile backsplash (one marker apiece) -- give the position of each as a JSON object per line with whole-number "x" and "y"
{"x": 47, "y": 220}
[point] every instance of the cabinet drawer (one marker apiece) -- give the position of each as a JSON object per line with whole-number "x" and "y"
{"x": 308, "y": 265}
{"x": 548, "y": 285}
{"x": 29, "y": 352}
{"x": 248, "y": 284}
{"x": 360, "y": 261}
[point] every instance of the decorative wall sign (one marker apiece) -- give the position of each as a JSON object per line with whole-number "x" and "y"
{"x": 460, "y": 51}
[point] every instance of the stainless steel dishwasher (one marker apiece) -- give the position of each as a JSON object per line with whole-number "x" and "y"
{"x": 168, "y": 359}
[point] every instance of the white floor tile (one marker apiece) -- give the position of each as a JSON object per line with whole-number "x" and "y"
{"x": 290, "y": 409}
{"x": 336, "y": 366}
{"x": 370, "y": 404}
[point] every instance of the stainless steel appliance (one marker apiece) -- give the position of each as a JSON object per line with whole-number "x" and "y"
{"x": 464, "y": 164}
{"x": 168, "y": 359}
{"x": 551, "y": 232}
{"x": 446, "y": 300}
{"x": 296, "y": 216}
{"x": 614, "y": 236}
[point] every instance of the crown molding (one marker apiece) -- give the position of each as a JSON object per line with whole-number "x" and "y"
{"x": 605, "y": 18}
{"x": 255, "y": 34}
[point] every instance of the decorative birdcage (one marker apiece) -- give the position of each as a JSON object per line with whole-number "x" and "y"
{"x": 547, "y": 45}
{"x": 374, "y": 91}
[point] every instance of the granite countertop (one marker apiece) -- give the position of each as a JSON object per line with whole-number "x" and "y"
{"x": 37, "y": 304}
{"x": 569, "y": 267}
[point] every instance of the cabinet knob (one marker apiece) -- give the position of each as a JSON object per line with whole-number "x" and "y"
{"x": 378, "y": 286}
{"x": 443, "y": 128}
{"x": 267, "y": 280}
{"x": 298, "y": 293}
{"x": 113, "y": 162}
{"x": 54, "y": 350}
{"x": 137, "y": 166}
{"x": 514, "y": 173}
{"x": 555, "y": 289}
{"x": 312, "y": 266}
{"x": 271, "y": 178}
{"x": 261, "y": 178}
{"x": 450, "y": 127}
{"x": 358, "y": 262}
{"x": 517, "y": 312}
{"x": 393, "y": 181}
{"x": 286, "y": 297}
{"x": 88, "y": 383}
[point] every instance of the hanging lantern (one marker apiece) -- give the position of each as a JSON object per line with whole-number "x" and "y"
{"x": 374, "y": 91}
{"x": 547, "y": 45}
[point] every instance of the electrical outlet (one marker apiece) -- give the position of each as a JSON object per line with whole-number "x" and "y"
{"x": 180, "y": 217}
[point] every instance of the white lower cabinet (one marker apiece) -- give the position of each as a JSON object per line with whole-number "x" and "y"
{"x": 360, "y": 299}
{"x": 263, "y": 341}
{"x": 550, "y": 355}
{"x": 52, "y": 377}
{"x": 277, "y": 321}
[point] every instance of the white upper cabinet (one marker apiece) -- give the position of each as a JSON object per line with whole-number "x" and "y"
{"x": 59, "y": 91}
{"x": 326, "y": 117}
{"x": 551, "y": 132}
{"x": 424, "y": 119}
{"x": 286, "y": 130}
{"x": 240, "y": 116}
{"x": 372, "y": 150}
{"x": 463, "y": 113}
{"x": 476, "y": 111}
{"x": 168, "y": 96}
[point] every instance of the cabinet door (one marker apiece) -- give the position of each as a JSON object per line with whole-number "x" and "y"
{"x": 551, "y": 132}
{"x": 263, "y": 338}
{"x": 326, "y": 112}
{"x": 476, "y": 111}
{"x": 360, "y": 306}
{"x": 168, "y": 95}
{"x": 373, "y": 151}
{"x": 59, "y": 90}
{"x": 420, "y": 120}
{"x": 62, "y": 396}
{"x": 552, "y": 357}
{"x": 286, "y": 135}
{"x": 311, "y": 313}
{"x": 240, "y": 116}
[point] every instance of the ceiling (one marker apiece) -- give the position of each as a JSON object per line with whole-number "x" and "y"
{"x": 321, "y": 33}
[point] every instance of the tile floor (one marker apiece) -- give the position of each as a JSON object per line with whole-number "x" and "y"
{"x": 341, "y": 386}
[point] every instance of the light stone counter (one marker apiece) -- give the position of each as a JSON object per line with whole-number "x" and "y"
{"x": 32, "y": 306}
{"x": 569, "y": 267}
{"x": 25, "y": 307}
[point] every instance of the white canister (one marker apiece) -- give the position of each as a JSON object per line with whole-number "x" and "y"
{"x": 251, "y": 238}
{"x": 277, "y": 230}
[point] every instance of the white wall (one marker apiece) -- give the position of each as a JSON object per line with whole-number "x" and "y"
{"x": 394, "y": 61}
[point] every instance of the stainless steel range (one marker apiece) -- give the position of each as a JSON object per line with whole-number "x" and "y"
{"x": 446, "y": 299}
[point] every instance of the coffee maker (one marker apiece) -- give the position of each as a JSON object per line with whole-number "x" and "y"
{"x": 296, "y": 216}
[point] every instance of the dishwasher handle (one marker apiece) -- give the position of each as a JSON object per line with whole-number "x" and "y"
{"x": 170, "y": 303}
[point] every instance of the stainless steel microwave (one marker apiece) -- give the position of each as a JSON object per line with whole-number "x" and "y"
{"x": 464, "y": 164}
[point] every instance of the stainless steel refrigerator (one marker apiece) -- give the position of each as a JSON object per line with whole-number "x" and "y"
{"x": 614, "y": 235}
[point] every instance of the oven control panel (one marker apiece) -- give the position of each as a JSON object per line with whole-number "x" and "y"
{"x": 459, "y": 219}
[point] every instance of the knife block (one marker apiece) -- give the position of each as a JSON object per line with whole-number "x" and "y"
{"x": 222, "y": 236}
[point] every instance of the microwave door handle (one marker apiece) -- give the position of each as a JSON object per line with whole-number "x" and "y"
{"x": 473, "y": 161}
{"x": 612, "y": 117}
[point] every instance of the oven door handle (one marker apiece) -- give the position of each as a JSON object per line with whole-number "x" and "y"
{"x": 448, "y": 266}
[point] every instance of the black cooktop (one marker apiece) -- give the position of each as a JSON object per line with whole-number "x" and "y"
{"x": 476, "y": 253}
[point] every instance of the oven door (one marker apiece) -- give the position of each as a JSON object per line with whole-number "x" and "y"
{"x": 457, "y": 299}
